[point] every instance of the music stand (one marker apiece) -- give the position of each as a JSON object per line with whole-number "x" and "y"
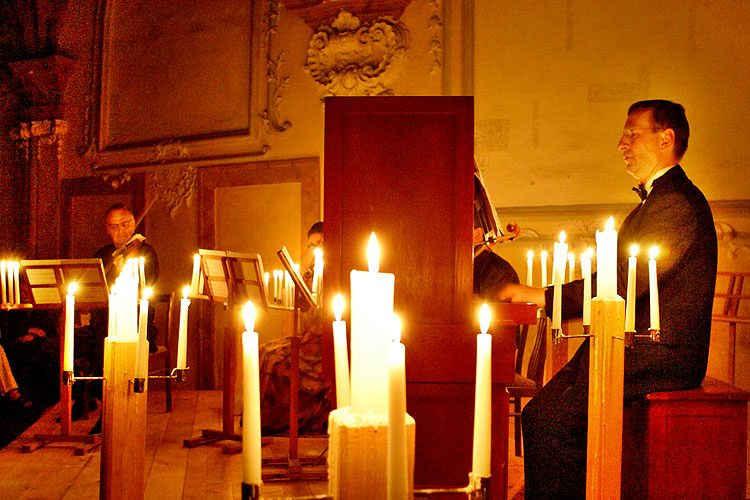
{"x": 293, "y": 464}
{"x": 230, "y": 277}
{"x": 44, "y": 287}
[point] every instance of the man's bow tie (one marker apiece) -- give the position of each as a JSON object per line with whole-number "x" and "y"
{"x": 640, "y": 191}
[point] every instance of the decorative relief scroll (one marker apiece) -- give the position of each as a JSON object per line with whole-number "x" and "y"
{"x": 46, "y": 133}
{"x": 725, "y": 232}
{"x": 174, "y": 185}
{"x": 435, "y": 29}
{"x": 275, "y": 81}
{"x": 352, "y": 58}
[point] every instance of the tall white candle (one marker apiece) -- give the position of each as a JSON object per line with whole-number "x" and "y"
{"x": 112, "y": 313}
{"x": 70, "y": 302}
{"x": 606, "y": 261}
{"x": 141, "y": 353}
{"x": 371, "y": 310}
{"x": 317, "y": 270}
{"x": 530, "y": 267}
{"x": 586, "y": 271}
{"x": 16, "y": 281}
{"x": 397, "y": 464}
{"x": 630, "y": 303}
{"x": 266, "y": 279}
{"x": 480, "y": 460}
{"x": 653, "y": 288}
{"x": 340, "y": 354}
{"x": 544, "y": 267}
{"x": 559, "y": 257}
{"x": 571, "y": 266}
{"x": 195, "y": 275}
{"x": 142, "y": 272}
{"x": 251, "y": 454}
{"x": 3, "y": 283}
{"x": 11, "y": 300}
{"x": 182, "y": 332}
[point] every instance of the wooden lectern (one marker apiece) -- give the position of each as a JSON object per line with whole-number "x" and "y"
{"x": 403, "y": 167}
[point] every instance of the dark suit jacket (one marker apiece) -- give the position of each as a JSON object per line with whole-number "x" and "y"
{"x": 675, "y": 217}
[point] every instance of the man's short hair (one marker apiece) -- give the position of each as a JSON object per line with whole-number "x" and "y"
{"x": 668, "y": 114}
{"x": 315, "y": 228}
{"x": 117, "y": 206}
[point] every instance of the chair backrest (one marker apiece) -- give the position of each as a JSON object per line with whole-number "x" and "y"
{"x": 522, "y": 333}
{"x": 163, "y": 309}
{"x": 535, "y": 370}
{"x": 732, "y": 297}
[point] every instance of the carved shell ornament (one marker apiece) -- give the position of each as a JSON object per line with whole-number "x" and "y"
{"x": 351, "y": 58}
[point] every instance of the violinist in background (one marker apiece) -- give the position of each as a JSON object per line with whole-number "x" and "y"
{"x": 120, "y": 226}
{"x": 125, "y": 245}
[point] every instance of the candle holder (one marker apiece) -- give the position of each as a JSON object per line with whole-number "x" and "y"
{"x": 558, "y": 335}
{"x": 69, "y": 377}
{"x": 477, "y": 489}
{"x": 250, "y": 491}
{"x": 177, "y": 374}
{"x": 653, "y": 333}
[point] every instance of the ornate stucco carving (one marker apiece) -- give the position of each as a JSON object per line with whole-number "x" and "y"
{"x": 116, "y": 179}
{"x": 174, "y": 185}
{"x": 275, "y": 80}
{"x": 435, "y": 29}
{"x": 170, "y": 150}
{"x": 726, "y": 233}
{"x": 44, "y": 133}
{"x": 352, "y": 58}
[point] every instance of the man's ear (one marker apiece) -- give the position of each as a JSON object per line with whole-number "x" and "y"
{"x": 666, "y": 138}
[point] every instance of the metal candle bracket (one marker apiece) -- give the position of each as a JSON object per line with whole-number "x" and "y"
{"x": 477, "y": 489}
{"x": 629, "y": 338}
{"x": 139, "y": 384}
{"x": 178, "y": 374}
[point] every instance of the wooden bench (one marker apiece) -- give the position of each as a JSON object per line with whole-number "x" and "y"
{"x": 686, "y": 444}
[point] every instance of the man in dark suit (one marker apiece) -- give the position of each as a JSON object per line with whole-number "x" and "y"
{"x": 675, "y": 216}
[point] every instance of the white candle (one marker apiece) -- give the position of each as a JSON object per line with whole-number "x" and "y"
{"x": 317, "y": 270}
{"x": 112, "y": 313}
{"x": 544, "y": 267}
{"x": 397, "y": 466}
{"x": 653, "y": 288}
{"x": 3, "y": 283}
{"x": 11, "y": 300}
{"x": 340, "y": 354}
{"x": 195, "y": 275}
{"x": 529, "y": 267}
{"x": 70, "y": 302}
{"x": 251, "y": 455}
{"x": 127, "y": 303}
{"x": 17, "y": 282}
{"x": 559, "y": 257}
{"x": 141, "y": 353}
{"x": 371, "y": 310}
{"x": 266, "y": 279}
{"x": 182, "y": 332}
{"x": 142, "y": 272}
{"x": 571, "y": 266}
{"x": 480, "y": 463}
{"x": 630, "y": 304}
{"x": 606, "y": 258}
{"x": 586, "y": 271}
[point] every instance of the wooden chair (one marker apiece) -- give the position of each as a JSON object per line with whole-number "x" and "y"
{"x": 729, "y": 313}
{"x": 159, "y": 362}
{"x": 527, "y": 386}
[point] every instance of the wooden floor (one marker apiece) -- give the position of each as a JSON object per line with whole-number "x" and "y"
{"x": 172, "y": 471}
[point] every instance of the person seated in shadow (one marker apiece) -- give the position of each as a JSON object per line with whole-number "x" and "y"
{"x": 275, "y": 366}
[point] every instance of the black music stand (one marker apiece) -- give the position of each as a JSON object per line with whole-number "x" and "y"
{"x": 229, "y": 278}
{"x": 44, "y": 287}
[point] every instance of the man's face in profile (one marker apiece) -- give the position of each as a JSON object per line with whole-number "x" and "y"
{"x": 120, "y": 226}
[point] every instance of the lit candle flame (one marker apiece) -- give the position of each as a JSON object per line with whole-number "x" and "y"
{"x": 653, "y": 252}
{"x": 373, "y": 254}
{"x": 396, "y": 328}
{"x": 589, "y": 253}
{"x": 544, "y": 254}
{"x": 248, "y": 314}
{"x": 562, "y": 237}
{"x": 338, "y": 306}
{"x": 484, "y": 318}
{"x": 186, "y": 292}
{"x": 72, "y": 288}
{"x": 147, "y": 292}
{"x": 634, "y": 250}
{"x": 610, "y": 225}
{"x": 530, "y": 255}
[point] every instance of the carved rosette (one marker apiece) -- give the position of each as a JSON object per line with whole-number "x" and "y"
{"x": 352, "y": 58}
{"x": 174, "y": 185}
